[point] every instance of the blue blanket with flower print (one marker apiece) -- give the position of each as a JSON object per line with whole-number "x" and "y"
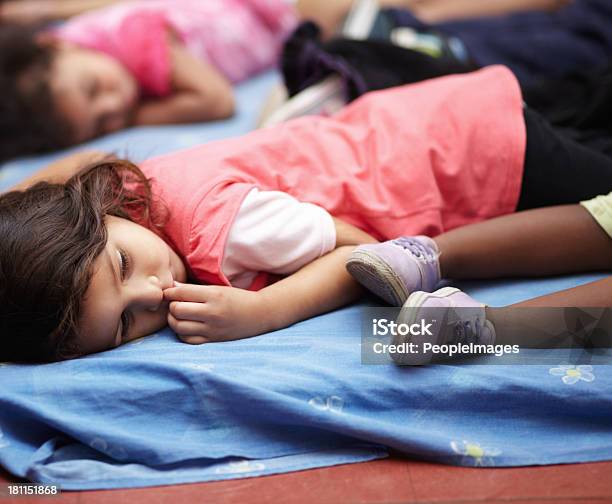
{"x": 157, "y": 411}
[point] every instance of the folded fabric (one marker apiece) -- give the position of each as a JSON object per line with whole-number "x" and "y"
{"x": 157, "y": 411}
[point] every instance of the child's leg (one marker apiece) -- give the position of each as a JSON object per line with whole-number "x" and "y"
{"x": 578, "y": 317}
{"x": 329, "y": 14}
{"x": 594, "y": 294}
{"x": 534, "y": 243}
{"x": 562, "y": 319}
{"x": 541, "y": 242}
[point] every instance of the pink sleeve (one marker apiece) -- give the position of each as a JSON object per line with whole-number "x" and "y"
{"x": 145, "y": 51}
{"x": 137, "y": 39}
{"x": 279, "y": 15}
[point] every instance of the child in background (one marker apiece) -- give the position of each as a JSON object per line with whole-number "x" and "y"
{"x": 134, "y": 63}
{"x": 99, "y": 260}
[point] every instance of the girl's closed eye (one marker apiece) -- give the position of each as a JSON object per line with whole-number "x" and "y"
{"x": 93, "y": 88}
{"x": 125, "y": 263}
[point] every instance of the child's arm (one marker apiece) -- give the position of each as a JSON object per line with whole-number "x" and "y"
{"x": 437, "y": 11}
{"x": 347, "y": 234}
{"x": 200, "y": 93}
{"x": 202, "y": 313}
{"x": 61, "y": 170}
{"x": 36, "y": 11}
{"x": 329, "y": 14}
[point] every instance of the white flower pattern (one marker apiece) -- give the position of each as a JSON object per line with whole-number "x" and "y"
{"x": 201, "y": 367}
{"x": 99, "y": 444}
{"x": 474, "y": 454}
{"x": 3, "y": 442}
{"x": 333, "y": 403}
{"x": 571, "y": 375}
{"x": 240, "y": 466}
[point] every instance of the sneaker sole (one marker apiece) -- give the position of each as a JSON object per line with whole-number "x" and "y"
{"x": 377, "y": 276}
{"x": 416, "y": 301}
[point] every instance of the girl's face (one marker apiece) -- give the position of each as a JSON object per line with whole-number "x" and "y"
{"x": 92, "y": 91}
{"x": 125, "y": 299}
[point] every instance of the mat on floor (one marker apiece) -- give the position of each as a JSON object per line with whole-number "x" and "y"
{"x": 157, "y": 411}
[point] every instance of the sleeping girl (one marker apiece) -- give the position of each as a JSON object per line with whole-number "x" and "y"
{"x": 135, "y": 63}
{"x": 243, "y": 236}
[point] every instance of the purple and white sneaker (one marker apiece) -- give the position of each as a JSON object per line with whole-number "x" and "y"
{"x": 394, "y": 269}
{"x": 454, "y": 317}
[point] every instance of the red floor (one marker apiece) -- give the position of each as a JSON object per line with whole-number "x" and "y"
{"x": 390, "y": 481}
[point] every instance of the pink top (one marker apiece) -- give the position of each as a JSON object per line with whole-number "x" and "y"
{"x": 238, "y": 37}
{"x": 422, "y": 158}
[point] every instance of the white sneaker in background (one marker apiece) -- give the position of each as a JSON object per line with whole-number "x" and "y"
{"x": 327, "y": 96}
{"x": 360, "y": 19}
{"x": 323, "y": 98}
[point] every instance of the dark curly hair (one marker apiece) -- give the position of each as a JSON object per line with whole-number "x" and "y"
{"x": 50, "y": 236}
{"x": 29, "y": 122}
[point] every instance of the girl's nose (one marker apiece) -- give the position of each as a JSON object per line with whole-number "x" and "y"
{"x": 112, "y": 112}
{"x": 149, "y": 293}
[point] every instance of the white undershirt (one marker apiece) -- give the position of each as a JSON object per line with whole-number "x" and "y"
{"x": 275, "y": 233}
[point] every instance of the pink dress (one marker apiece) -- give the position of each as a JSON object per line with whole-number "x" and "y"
{"x": 238, "y": 37}
{"x": 417, "y": 159}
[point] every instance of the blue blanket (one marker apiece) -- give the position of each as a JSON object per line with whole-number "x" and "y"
{"x": 157, "y": 411}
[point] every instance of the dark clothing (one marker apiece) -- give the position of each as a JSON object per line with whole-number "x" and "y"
{"x": 579, "y": 100}
{"x": 561, "y": 165}
{"x": 363, "y": 65}
{"x": 533, "y": 44}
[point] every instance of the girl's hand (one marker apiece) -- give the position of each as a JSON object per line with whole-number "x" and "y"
{"x": 204, "y": 313}
{"x": 200, "y": 92}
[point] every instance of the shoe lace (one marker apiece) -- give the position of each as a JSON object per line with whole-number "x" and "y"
{"x": 468, "y": 331}
{"x": 417, "y": 249}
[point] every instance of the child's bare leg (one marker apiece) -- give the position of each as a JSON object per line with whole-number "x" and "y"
{"x": 558, "y": 319}
{"x": 329, "y": 14}
{"x": 436, "y": 11}
{"x": 547, "y": 241}
{"x": 575, "y": 318}
{"x": 541, "y": 242}
{"x": 594, "y": 294}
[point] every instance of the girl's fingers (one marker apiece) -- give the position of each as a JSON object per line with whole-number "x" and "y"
{"x": 192, "y": 340}
{"x": 183, "y": 310}
{"x": 188, "y": 331}
{"x": 189, "y": 292}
